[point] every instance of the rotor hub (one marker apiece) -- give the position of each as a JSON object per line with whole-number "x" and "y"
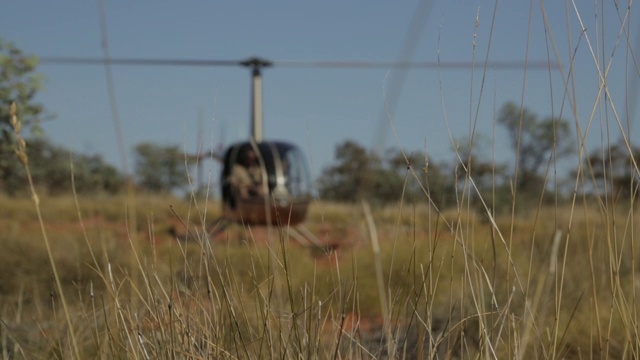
{"x": 256, "y": 63}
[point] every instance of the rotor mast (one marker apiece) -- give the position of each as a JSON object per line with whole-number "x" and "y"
{"x": 256, "y": 65}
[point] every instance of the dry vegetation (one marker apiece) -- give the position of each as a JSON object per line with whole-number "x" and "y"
{"x": 141, "y": 277}
{"x": 555, "y": 282}
{"x": 144, "y": 277}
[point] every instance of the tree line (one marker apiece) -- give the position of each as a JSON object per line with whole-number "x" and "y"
{"x": 539, "y": 144}
{"x": 55, "y": 168}
{"x": 357, "y": 172}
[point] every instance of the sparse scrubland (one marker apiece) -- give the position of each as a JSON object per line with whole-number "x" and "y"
{"x": 492, "y": 273}
{"x": 489, "y": 262}
{"x": 552, "y": 282}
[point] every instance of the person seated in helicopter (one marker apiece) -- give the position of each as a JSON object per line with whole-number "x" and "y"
{"x": 246, "y": 176}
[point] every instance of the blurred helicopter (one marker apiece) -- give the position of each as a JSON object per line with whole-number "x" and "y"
{"x": 263, "y": 182}
{"x": 267, "y": 182}
{"x": 281, "y": 181}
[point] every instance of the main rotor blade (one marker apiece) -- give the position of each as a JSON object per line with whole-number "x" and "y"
{"x": 500, "y": 65}
{"x": 419, "y": 65}
{"x": 138, "y": 62}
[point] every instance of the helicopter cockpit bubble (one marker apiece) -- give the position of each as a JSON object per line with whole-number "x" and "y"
{"x": 281, "y": 177}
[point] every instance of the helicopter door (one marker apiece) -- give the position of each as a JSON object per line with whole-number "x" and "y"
{"x": 296, "y": 174}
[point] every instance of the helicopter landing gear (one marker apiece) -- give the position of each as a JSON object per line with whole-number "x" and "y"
{"x": 304, "y": 237}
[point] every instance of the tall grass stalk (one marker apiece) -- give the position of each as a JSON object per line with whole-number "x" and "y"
{"x": 384, "y": 306}
{"x": 22, "y": 156}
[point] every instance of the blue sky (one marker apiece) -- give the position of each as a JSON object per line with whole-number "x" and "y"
{"x": 319, "y": 108}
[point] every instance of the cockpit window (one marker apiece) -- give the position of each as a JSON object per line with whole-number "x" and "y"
{"x": 296, "y": 173}
{"x": 279, "y": 166}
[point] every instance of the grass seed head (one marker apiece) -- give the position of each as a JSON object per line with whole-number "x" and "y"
{"x": 15, "y": 123}
{"x": 22, "y": 156}
{"x": 21, "y": 147}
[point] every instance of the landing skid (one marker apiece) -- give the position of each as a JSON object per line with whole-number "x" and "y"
{"x": 299, "y": 233}
{"x": 218, "y": 226}
{"x": 304, "y": 237}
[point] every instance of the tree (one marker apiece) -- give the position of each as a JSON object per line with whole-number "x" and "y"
{"x": 51, "y": 170}
{"x": 432, "y": 181}
{"x": 489, "y": 177}
{"x": 362, "y": 174}
{"x": 349, "y": 178}
{"x": 92, "y": 173}
{"x": 613, "y": 171}
{"x": 160, "y": 168}
{"x": 486, "y": 174}
{"x": 534, "y": 141}
{"x": 50, "y": 164}
{"x": 19, "y": 82}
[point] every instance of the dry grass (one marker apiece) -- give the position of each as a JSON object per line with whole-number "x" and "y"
{"x": 456, "y": 289}
{"x": 543, "y": 282}
{"x": 81, "y": 280}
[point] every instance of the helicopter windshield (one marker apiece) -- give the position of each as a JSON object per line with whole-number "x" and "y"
{"x": 287, "y": 175}
{"x": 296, "y": 174}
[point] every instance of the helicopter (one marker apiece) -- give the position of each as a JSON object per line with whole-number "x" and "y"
{"x": 287, "y": 186}
{"x": 281, "y": 183}
{"x": 283, "y": 173}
